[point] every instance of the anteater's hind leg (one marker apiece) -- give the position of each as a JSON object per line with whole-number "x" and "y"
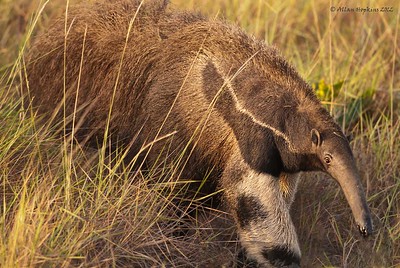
{"x": 261, "y": 212}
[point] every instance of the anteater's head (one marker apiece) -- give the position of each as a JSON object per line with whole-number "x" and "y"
{"x": 316, "y": 143}
{"x": 333, "y": 155}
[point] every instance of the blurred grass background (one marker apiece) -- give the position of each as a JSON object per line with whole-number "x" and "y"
{"x": 63, "y": 205}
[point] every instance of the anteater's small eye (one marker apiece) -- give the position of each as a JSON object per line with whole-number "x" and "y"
{"x": 328, "y": 159}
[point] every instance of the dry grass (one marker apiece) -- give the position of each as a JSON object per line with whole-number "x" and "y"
{"x": 63, "y": 205}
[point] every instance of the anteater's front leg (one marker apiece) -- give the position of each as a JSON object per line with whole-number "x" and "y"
{"x": 265, "y": 228}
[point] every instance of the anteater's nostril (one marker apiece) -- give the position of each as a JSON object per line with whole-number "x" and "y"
{"x": 363, "y": 231}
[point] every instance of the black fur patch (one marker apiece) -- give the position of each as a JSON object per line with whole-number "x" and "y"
{"x": 280, "y": 256}
{"x": 257, "y": 144}
{"x": 242, "y": 261}
{"x": 249, "y": 209}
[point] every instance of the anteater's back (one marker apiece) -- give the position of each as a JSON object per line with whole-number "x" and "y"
{"x": 99, "y": 52}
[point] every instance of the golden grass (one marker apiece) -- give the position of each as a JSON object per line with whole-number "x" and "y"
{"x": 63, "y": 205}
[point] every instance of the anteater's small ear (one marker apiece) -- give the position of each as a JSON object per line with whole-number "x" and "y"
{"x": 350, "y": 137}
{"x": 315, "y": 137}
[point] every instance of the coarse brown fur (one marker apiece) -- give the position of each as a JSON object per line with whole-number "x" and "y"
{"x": 231, "y": 103}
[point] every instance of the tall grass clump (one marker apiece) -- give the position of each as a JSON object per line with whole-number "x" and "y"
{"x": 64, "y": 204}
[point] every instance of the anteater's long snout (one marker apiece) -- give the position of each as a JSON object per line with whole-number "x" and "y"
{"x": 350, "y": 182}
